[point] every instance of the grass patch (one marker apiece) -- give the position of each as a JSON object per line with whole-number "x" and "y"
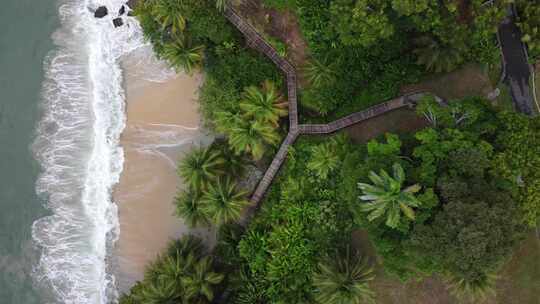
{"x": 520, "y": 278}
{"x": 504, "y": 100}
{"x": 519, "y": 281}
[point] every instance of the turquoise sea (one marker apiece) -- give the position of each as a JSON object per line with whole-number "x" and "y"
{"x": 25, "y": 40}
{"x": 62, "y": 110}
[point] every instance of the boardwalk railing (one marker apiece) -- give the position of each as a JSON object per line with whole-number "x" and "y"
{"x": 255, "y": 40}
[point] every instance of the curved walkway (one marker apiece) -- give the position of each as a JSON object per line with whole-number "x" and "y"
{"x": 256, "y": 41}
{"x": 518, "y": 71}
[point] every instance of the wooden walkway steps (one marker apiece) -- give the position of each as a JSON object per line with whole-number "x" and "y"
{"x": 256, "y": 41}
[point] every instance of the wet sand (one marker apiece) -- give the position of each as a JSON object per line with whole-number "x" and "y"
{"x": 162, "y": 124}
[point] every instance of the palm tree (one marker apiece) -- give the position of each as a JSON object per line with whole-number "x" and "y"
{"x": 437, "y": 57}
{"x": 229, "y": 235}
{"x": 223, "y": 202}
{"x": 159, "y": 292}
{"x": 221, "y": 4}
{"x": 199, "y": 167}
{"x": 386, "y": 196}
{"x": 344, "y": 279}
{"x": 476, "y": 290}
{"x": 324, "y": 159}
{"x": 182, "y": 55}
{"x": 319, "y": 73}
{"x": 188, "y": 244}
{"x": 200, "y": 282}
{"x": 234, "y": 164}
{"x": 189, "y": 208}
{"x": 264, "y": 104}
{"x": 245, "y": 136}
{"x": 170, "y": 15}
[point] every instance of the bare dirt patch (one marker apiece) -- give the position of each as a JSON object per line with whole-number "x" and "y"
{"x": 402, "y": 120}
{"x": 470, "y": 80}
{"x": 280, "y": 24}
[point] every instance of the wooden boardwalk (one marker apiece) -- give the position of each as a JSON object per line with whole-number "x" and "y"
{"x": 256, "y": 41}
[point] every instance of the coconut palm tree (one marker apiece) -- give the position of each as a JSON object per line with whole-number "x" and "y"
{"x": 264, "y": 104}
{"x": 170, "y": 14}
{"x": 183, "y": 55}
{"x": 200, "y": 282}
{"x": 437, "y": 57}
{"x": 188, "y": 244}
{"x": 319, "y": 73}
{"x": 188, "y": 207}
{"x": 223, "y": 202}
{"x": 385, "y": 195}
{"x": 246, "y": 136}
{"x": 234, "y": 164}
{"x": 199, "y": 167}
{"x": 221, "y": 4}
{"x": 324, "y": 159}
{"x": 344, "y": 279}
{"x": 159, "y": 292}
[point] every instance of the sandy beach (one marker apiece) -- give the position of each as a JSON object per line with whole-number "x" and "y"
{"x": 162, "y": 124}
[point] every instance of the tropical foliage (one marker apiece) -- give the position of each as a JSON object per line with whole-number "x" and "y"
{"x": 343, "y": 279}
{"x": 212, "y": 197}
{"x": 386, "y": 196}
{"x": 182, "y": 275}
{"x": 200, "y": 167}
{"x": 459, "y": 198}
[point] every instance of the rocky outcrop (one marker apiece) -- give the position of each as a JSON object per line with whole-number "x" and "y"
{"x": 101, "y": 12}
{"x": 118, "y": 22}
{"x": 132, "y": 3}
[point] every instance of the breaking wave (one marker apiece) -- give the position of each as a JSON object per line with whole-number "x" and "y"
{"x": 77, "y": 146}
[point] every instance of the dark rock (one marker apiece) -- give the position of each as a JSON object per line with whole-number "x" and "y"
{"x": 101, "y": 12}
{"x": 118, "y": 22}
{"x": 131, "y": 3}
{"x": 122, "y": 11}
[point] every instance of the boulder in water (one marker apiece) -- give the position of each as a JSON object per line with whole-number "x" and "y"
{"x": 122, "y": 11}
{"x": 131, "y": 3}
{"x": 118, "y": 22}
{"x": 101, "y": 12}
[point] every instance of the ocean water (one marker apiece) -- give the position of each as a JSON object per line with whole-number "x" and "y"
{"x": 25, "y": 29}
{"x": 61, "y": 115}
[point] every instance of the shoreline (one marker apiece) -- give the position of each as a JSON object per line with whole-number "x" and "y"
{"x": 162, "y": 124}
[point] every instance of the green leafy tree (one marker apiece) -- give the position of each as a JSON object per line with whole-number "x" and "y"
{"x": 183, "y": 55}
{"x": 436, "y": 56}
{"x": 223, "y": 202}
{"x": 386, "y": 196}
{"x": 221, "y": 5}
{"x": 483, "y": 227}
{"x": 519, "y": 160}
{"x": 189, "y": 208}
{"x": 247, "y": 136}
{"x": 265, "y": 104}
{"x": 529, "y": 23}
{"x": 200, "y": 282}
{"x": 344, "y": 279}
{"x": 199, "y": 167}
{"x": 324, "y": 159}
{"x": 410, "y": 7}
{"x": 361, "y": 22}
{"x": 170, "y": 14}
{"x": 234, "y": 165}
{"x": 320, "y": 73}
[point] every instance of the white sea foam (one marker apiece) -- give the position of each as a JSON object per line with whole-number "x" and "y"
{"x": 77, "y": 145}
